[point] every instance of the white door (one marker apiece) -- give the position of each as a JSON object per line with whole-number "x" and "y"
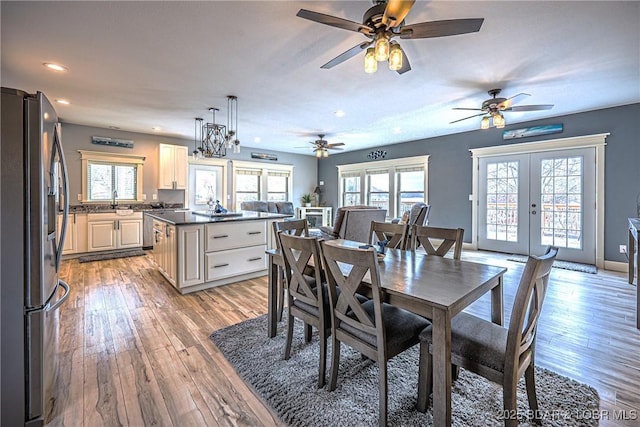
{"x": 530, "y": 201}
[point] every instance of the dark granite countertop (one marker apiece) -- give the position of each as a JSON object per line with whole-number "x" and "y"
{"x": 188, "y": 217}
{"x": 140, "y": 207}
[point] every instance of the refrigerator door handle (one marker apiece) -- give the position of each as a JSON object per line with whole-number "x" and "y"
{"x": 63, "y": 298}
{"x": 57, "y": 147}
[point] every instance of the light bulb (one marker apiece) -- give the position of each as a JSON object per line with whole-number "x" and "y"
{"x": 484, "y": 124}
{"x": 236, "y": 146}
{"x": 498, "y": 121}
{"x": 318, "y": 153}
{"x": 370, "y": 63}
{"x": 395, "y": 57}
{"x": 382, "y": 47}
{"x": 325, "y": 153}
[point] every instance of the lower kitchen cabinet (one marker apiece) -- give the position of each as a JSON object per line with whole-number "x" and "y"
{"x": 190, "y": 255}
{"x": 106, "y": 231}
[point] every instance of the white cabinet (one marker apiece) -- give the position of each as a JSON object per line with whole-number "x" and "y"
{"x": 316, "y": 216}
{"x": 70, "y": 240}
{"x": 165, "y": 250}
{"x": 172, "y": 167}
{"x": 107, "y": 231}
{"x": 190, "y": 255}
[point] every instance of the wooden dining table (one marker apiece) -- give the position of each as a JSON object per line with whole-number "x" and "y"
{"x": 431, "y": 286}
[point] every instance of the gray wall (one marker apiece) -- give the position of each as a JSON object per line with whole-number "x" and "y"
{"x": 450, "y": 168}
{"x": 77, "y": 137}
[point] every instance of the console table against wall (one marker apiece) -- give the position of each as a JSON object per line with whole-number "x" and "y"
{"x": 634, "y": 227}
{"x": 316, "y": 216}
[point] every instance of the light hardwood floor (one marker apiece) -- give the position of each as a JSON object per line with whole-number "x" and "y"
{"x": 134, "y": 352}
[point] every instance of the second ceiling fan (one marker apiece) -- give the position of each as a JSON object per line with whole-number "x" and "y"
{"x": 380, "y": 24}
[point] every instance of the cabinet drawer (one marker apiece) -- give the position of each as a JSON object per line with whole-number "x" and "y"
{"x": 234, "y": 262}
{"x": 232, "y": 235}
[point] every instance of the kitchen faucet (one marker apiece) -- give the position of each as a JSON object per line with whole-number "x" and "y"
{"x": 114, "y": 204}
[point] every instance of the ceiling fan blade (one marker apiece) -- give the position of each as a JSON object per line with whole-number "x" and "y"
{"x": 336, "y": 144}
{"x": 475, "y": 115}
{"x": 448, "y": 27}
{"x": 333, "y": 148}
{"x": 530, "y": 107}
{"x": 334, "y": 21}
{"x": 513, "y": 100}
{"x": 467, "y": 109}
{"x": 347, "y": 55}
{"x": 406, "y": 65}
{"x": 396, "y": 11}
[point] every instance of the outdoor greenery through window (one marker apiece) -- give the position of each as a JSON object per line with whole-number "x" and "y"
{"x": 393, "y": 185}
{"x": 108, "y": 177}
{"x": 247, "y": 186}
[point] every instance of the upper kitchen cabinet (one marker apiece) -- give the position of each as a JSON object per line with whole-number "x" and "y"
{"x": 172, "y": 167}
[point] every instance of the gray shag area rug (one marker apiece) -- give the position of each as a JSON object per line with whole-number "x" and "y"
{"x": 565, "y": 265}
{"x": 111, "y": 255}
{"x": 290, "y": 387}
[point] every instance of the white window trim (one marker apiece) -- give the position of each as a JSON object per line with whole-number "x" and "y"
{"x": 98, "y": 156}
{"x": 264, "y": 169}
{"x": 391, "y": 166}
{"x": 597, "y": 141}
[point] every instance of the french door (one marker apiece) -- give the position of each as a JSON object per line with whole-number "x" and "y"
{"x": 530, "y": 201}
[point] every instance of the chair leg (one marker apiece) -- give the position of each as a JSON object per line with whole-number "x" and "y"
{"x": 281, "y": 283}
{"x": 425, "y": 377}
{"x": 307, "y": 332}
{"x": 335, "y": 362}
{"x": 287, "y": 346}
{"x": 322, "y": 368}
{"x": 382, "y": 390}
{"x": 509, "y": 395}
{"x": 529, "y": 378}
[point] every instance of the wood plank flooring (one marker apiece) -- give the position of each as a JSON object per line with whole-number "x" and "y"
{"x": 134, "y": 352}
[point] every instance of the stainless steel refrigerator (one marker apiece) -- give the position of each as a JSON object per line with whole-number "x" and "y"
{"x": 33, "y": 192}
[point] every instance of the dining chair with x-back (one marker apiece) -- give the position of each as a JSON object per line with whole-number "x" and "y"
{"x": 394, "y": 235}
{"x": 307, "y": 297}
{"x": 298, "y": 227}
{"x": 499, "y": 354}
{"x": 377, "y": 330}
{"x": 438, "y": 241}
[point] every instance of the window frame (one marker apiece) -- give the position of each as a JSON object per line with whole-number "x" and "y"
{"x": 389, "y": 165}
{"x": 113, "y": 159}
{"x": 264, "y": 170}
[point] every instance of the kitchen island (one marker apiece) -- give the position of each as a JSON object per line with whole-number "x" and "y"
{"x": 198, "y": 250}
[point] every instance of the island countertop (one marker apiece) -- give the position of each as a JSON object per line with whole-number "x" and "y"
{"x": 190, "y": 218}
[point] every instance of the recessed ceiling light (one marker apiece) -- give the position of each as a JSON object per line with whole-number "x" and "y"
{"x": 397, "y": 130}
{"x": 55, "y": 67}
{"x": 257, "y": 139}
{"x": 156, "y": 129}
{"x": 339, "y": 113}
{"x": 114, "y": 127}
{"x": 63, "y": 102}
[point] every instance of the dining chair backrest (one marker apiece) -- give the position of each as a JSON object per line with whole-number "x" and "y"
{"x": 349, "y": 316}
{"x": 526, "y": 309}
{"x": 300, "y": 253}
{"x": 448, "y": 238}
{"x": 395, "y": 235}
{"x": 297, "y": 227}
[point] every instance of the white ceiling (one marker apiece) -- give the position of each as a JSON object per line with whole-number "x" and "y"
{"x": 139, "y": 65}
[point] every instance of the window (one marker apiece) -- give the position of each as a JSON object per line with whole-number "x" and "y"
{"x": 378, "y": 188}
{"x": 258, "y": 181}
{"x": 394, "y": 185}
{"x": 277, "y": 186}
{"x": 351, "y": 188}
{"x": 410, "y": 184}
{"x": 108, "y": 177}
{"x": 247, "y": 186}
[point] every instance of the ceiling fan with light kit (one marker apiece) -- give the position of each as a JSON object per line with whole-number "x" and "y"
{"x": 380, "y": 24}
{"x": 493, "y": 108}
{"x": 321, "y": 146}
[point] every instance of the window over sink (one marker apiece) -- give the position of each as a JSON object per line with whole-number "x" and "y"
{"x": 111, "y": 177}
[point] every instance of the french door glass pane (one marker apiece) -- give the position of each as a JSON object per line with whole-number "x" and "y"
{"x": 205, "y": 186}
{"x": 502, "y": 201}
{"x": 562, "y": 205}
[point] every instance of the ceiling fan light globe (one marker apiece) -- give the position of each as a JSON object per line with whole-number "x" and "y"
{"x": 325, "y": 153}
{"x": 382, "y": 47}
{"x": 498, "y": 121}
{"x": 318, "y": 153}
{"x": 484, "y": 123}
{"x": 370, "y": 63}
{"x": 395, "y": 57}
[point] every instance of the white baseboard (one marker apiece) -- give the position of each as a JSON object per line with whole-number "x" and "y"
{"x": 616, "y": 266}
